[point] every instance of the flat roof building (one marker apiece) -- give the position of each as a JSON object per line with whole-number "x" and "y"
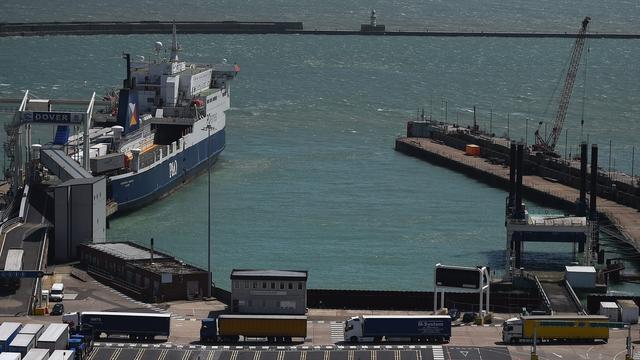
{"x": 269, "y": 291}
{"x": 144, "y": 274}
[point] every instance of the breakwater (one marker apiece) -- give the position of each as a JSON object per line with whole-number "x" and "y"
{"x": 254, "y": 27}
{"x": 546, "y": 190}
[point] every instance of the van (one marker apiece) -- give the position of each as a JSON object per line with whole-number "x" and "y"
{"x": 57, "y": 292}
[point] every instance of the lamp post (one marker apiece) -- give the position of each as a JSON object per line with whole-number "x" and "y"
{"x": 209, "y": 277}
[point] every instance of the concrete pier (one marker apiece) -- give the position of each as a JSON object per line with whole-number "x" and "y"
{"x": 255, "y": 27}
{"x": 546, "y": 191}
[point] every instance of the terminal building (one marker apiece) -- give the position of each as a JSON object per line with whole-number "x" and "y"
{"x": 269, "y": 291}
{"x": 143, "y": 273}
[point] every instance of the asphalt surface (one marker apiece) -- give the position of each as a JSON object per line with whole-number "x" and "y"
{"x": 382, "y": 352}
{"x": 28, "y": 236}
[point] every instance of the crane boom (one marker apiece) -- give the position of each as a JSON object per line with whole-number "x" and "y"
{"x": 548, "y": 145}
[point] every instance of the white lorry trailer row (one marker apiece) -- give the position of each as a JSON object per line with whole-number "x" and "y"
{"x": 55, "y": 337}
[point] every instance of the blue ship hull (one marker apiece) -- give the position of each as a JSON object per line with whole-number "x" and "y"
{"x": 142, "y": 188}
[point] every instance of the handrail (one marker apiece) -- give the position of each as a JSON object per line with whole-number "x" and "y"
{"x": 545, "y": 298}
{"x": 574, "y": 298}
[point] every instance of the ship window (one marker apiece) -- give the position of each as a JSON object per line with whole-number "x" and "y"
{"x": 264, "y": 285}
{"x": 255, "y": 284}
{"x": 246, "y": 284}
{"x": 236, "y": 285}
{"x": 299, "y": 286}
{"x": 150, "y": 100}
{"x": 273, "y": 285}
{"x": 215, "y": 98}
{"x": 281, "y": 285}
{"x": 290, "y": 286}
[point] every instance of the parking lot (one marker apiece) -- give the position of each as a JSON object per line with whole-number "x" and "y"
{"x": 112, "y": 351}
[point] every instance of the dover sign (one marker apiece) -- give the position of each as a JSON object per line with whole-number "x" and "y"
{"x": 53, "y": 117}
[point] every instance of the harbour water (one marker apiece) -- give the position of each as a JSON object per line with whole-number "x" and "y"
{"x": 309, "y": 178}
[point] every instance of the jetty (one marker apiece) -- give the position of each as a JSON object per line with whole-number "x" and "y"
{"x": 260, "y": 27}
{"x": 546, "y": 190}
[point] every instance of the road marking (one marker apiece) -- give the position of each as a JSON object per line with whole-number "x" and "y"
{"x": 186, "y": 355}
{"x": 560, "y": 356}
{"x": 163, "y": 354}
{"x": 139, "y": 354}
{"x": 327, "y": 354}
{"x": 210, "y": 356}
{"x": 438, "y": 354}
{"x": 374, "y": 355}
{"x": 256, "y": 355}
{"x": 115, "y": 354}
{"x": 234, "y": 355}
{"x": 418, "y": 355}
{"x": 396, "y": 355}
{"x": 280, "y": 355}
{"x": 303, "y": 355}
{"x": 350, "y": 355}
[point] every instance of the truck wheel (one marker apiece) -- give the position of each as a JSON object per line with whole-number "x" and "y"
{"x": 354, "y": 339}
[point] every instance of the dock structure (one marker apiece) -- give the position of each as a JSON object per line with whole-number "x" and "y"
{"x": 626, "y": 219}
{"x": 262, "y": 27}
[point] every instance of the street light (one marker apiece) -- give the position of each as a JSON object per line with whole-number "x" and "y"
{"x": 209, "y": 277}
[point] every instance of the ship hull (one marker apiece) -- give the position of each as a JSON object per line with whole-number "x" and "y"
{"x": 139, "y": 189}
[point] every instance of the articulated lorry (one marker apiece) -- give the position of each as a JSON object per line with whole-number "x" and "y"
{"x": 135, "y": 325}
{"x": 274, "y": 328}
{"x": 556, "y": 327}
{"x": 415, "y": 328}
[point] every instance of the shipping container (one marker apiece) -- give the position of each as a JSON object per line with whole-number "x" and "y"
{"x": 54, "y": 337}
{"x": 101, "y": 164}
{"x": 275, "y": 328}
{"x": 628, "y": 311}
{"x": 33, "y": 329}
{"x": 37, "y": 354}
{"x": 62, "y": 355}
{"x": 9, "y": 356}
{"x": 610, "y": 310}
{"x": 22, "y": 343}
{"x": 8, "y": 330}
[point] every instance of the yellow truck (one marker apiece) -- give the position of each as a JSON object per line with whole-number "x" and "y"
{"x": 556, "y": 327}
{"x": 273, "y": 328}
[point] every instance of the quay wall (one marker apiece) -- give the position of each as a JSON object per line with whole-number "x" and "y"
{"x": 250, "y": 27}
{"x": 504, "y": 298}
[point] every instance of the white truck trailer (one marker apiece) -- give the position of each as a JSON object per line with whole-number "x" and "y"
{"x": 55, "y": 337}
{"x": 8, "y": 330}
{"x": 22, "y": 343}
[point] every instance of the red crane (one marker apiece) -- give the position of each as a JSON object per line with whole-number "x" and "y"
{"x": 548, "y": 145}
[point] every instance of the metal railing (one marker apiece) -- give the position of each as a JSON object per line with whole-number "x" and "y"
{"x": 574, "y": 298}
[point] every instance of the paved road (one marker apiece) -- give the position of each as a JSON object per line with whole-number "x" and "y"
{"x": 28, "y": 236}
{"x": 112, "y": 351}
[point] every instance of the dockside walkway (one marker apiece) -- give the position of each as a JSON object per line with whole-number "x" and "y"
{"x": 624, "y": 218}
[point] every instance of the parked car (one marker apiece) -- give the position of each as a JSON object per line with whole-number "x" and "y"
{"x": 58, "y": 309}
{"x": 454, "y": 314}
{"x": 469, "y": 317}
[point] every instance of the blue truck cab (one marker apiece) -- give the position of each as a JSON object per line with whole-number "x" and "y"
{"x": 208, "y": 330}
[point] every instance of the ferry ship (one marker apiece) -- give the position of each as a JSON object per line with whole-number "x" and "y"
{"x": 165, "y": 126}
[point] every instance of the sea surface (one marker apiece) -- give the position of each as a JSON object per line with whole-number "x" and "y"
{"x": 309, "y": 179}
